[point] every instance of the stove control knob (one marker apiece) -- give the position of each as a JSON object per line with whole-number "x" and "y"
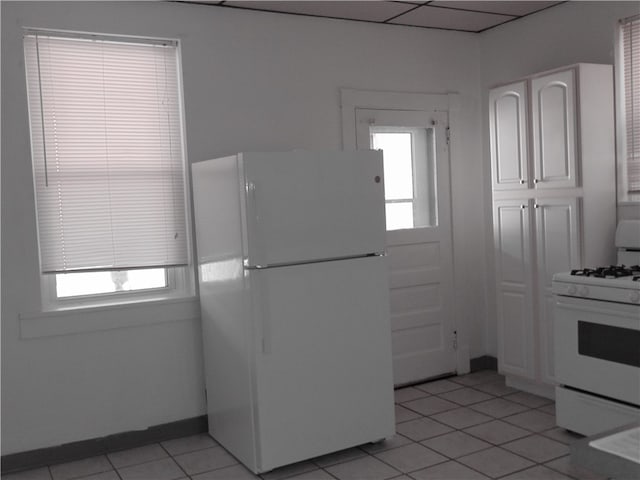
{"x": 571, "y": 290}
{"x": 584, "y": 291}
{"x": 634, "y": 297}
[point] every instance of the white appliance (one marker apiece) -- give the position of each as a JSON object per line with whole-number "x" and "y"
{"x": 597, "y": 340}
{"x": 295, "y": 303}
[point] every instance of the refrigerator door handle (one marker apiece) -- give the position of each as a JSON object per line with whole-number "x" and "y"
{"x": 252, "y": 192}
{"x": 266, "y": 335}
{"x": 264, "y": 315}
{"x": 255, "y": 221}
{"x": 247, "y": 264}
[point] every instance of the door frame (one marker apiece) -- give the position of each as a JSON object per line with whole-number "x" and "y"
{"x": 351, "y": 100}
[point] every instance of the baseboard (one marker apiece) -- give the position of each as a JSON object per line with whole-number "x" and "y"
{"x": 535, "y": 388}
{"x": 485, "y": 362}
{"x": 100, "y": 446}
{"x": 121, "y": 441}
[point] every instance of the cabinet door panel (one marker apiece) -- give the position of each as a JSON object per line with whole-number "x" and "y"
{"x": 514, "y": 325}
{"x": 513, "y": 270}
{"x": 558, "y": 247}
{"x": 508, "y": 117}
{"x": 554, "y": 130}
{"x": 558, "y": 250}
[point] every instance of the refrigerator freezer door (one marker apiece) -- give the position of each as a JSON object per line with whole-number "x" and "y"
{"x": 304, "y": 206}
{"x": 323, "y": 358}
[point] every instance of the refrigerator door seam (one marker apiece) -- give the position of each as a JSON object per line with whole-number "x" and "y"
{"x": 306, "y": 262}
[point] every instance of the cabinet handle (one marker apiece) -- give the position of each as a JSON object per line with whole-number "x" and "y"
{"x": 535, "y": 205}
{"x": 535, "y": 180}
{"x": 523, "y": 206}
{"x": 522, "y": 181}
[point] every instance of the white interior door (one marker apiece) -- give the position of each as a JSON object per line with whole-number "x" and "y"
{"x": 418, "y": 218}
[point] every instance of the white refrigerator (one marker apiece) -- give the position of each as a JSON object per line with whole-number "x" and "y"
{"x": 295, "y": 303}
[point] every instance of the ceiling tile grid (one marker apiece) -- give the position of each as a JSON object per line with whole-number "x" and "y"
{"x": 448, "y": 18}
{"x": 466, "y": 16}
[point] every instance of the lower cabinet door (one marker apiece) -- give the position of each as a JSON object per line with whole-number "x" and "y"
{"x": 557, "y": 250}
{"x": 512, "y": 237}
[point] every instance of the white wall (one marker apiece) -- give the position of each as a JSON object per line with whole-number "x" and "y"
{"x": 573, "y": 32}
{"x": 252, "y": 81}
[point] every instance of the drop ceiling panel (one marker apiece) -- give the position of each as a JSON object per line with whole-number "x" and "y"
{"x": 507, "y": 8}
{"x": 366, "y": 11}
{"x": 448, "y": 18}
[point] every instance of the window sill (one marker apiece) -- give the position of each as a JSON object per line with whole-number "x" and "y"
{"x": 108, "y": 317}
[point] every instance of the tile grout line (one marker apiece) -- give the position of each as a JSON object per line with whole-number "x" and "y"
{"x": 174, "y": 460}
{"x": 419, "y": 442}
{"x": 113, "y": 466}
{"x": 400, "y": 473}
{"x": 561, "y": 472}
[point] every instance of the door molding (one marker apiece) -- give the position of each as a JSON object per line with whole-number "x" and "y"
{"x": 351, "y": 100}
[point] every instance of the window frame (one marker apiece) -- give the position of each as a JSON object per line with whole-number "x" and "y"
{"x": 624, "y": 196}
{"x": 180, "y": 279}
{"x": 180, "y": 283}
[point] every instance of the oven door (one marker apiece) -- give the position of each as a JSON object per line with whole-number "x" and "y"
{"x": 597, "y": 347}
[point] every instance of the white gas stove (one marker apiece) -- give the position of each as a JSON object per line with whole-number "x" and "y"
{"x": 597, "y": 340}
{"x": 616, "y": 283}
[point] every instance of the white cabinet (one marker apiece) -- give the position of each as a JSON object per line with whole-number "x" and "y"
{"x": 552, "y": 128}
{"x": 553, "y": 177}
{"x": 550, "y": 226}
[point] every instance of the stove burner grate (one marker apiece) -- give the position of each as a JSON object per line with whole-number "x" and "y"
{"x": 612, "y": 271}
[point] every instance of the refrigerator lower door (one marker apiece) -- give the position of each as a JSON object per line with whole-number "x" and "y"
{"x": 323, "y": 359}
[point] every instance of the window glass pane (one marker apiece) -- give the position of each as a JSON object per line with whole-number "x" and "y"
{"x": 95, "y": 283}
{"x": 399, "y": 215}
{"x": 410, "y": 175}
{"x": 398, "y": 165}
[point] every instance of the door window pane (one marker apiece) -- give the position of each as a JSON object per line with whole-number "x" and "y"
{"x": 399, "y": 215}
{"x": 398, "y": 168}
{"x": 409, "y": 175}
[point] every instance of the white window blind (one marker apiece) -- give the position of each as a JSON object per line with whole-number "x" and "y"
{"x": 107, "y": 153}
{"x": 631, "y": 72}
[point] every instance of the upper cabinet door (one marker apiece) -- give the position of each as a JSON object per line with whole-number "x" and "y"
{"x": 508, "y": 126}
{"x": 553, "y": 110}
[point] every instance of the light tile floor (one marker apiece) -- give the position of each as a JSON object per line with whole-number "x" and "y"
{"x": 461, "y": 428}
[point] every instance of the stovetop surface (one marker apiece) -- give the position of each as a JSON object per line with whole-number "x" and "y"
{"x": 612, "y": 271}
{"x": 613, "y": 276}
{"x": 615, "y": 283}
